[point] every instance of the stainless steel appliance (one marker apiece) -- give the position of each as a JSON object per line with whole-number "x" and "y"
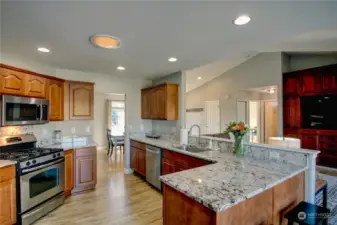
{"x": 39, "y": 176}
{"x": 22, "y": 110}
{"x": 153, "y": 165}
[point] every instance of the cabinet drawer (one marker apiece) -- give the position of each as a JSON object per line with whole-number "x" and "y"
{"x": 200, "y": 162}
{"x": 180, "y": 167}
{"x": 328, "y": 139}
{"x": 138, "y": 145}
{"x": 85, "y": 151}
{"x": 7, "y": 173}
{"x": 187, "y": 160}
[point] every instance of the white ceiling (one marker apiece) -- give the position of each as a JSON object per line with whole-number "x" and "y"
{"x": 195, "y": 33}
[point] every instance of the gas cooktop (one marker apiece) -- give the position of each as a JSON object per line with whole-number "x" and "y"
{"x": 27, "y": 154}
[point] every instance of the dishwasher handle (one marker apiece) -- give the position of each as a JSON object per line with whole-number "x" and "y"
{"x": 153, "y": 152}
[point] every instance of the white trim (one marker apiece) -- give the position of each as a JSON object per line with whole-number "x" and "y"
{"x": 101, "y": 147}
{"x": 310, "y": 179}
{"x": 326, "y": 168}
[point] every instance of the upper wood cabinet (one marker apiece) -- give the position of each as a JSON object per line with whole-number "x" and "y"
{"x": 310, "y": 83}
{"x": 290, "y": 84}
{"x": 12, "y": 82}
{"x": 7, "y": 196}
{"x": 55, "y": 96}
{"x": 160, "y": 102}
{"x": 35, "y": 86}
{"x": 329, "y": 80}
{"x": 81, "y": 101}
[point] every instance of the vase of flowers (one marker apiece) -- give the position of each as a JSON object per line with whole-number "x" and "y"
{"x": 239, "y": 130}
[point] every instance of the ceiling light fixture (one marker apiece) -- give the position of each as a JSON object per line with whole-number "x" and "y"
{"x": 242, "y": 20}
{"x": 121, "y": 68}
{"x": 172, "y": 59}
{"x": 271, "y": 91}
{"x": 42, "y": 49}
{"x": 105, "y": 41}
{"x": 199, "y": 78}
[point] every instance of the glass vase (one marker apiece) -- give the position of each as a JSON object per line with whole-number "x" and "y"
{"x": 238, "y": 146}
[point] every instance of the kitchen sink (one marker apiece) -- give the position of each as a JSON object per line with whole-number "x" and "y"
{"x": 192, "y": 148}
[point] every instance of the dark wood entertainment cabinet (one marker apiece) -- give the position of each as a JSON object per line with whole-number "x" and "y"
{"x": 310, "y": 82}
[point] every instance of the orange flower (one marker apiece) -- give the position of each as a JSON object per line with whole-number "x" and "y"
{"x": 239, "y": 127}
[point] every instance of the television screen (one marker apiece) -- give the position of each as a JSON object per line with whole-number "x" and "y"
{"x": 319, "y": 112}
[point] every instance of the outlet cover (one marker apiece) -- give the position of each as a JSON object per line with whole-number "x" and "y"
{"x": 73, "y": 130}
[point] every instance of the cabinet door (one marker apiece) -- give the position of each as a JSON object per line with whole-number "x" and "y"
{"x": 167, "y": 166}
{"x": 141, "y": 157}
{"x": 85, "y": 175}
{"x": 146, "y": 104}
{"x": 309, "y": 141}
{"x": 81, "y": 101}
{"x": 8, "y": 202}
{"x": 133, "y": 159}
{"x": 310, "y": 83}
{"x": 290, "y": 85}
{"x": 69, "y": 172}
{"x": 329, "y": 80}
{"x": 35, "y": 86}
{"x": 12, "y": 82}
{"x": 180, "y": 167}
{"x": 55, "y": 95}
{"x": 161, "y": 102}
{"x": 292, "y": 113}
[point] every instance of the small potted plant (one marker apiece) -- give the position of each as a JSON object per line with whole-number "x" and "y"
{"x": 239, "y": 130}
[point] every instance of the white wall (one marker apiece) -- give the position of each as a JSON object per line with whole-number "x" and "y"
{"x": 262, "y": 70}
{"x": 301, "y": 62}
{"x": 104, "y": 84}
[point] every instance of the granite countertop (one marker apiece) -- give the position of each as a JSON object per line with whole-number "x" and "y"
{"x": 228, "y": 181}
{"x": 69, "y": 143}
{"x": 4, "y": 163}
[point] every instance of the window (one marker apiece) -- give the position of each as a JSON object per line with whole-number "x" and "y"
{"x": 117, "y": 119}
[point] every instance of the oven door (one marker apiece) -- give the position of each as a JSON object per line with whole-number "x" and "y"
{"x": 40, "y": 185}
{"x": 22, "y": 110}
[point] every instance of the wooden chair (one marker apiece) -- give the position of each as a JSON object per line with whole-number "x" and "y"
{"x": 118, "y": 141}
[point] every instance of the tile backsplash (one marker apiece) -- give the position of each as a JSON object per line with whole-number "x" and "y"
{"x": 45, "y": 131}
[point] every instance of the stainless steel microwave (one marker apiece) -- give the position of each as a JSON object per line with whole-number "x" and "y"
{"x": 23, "y": 111}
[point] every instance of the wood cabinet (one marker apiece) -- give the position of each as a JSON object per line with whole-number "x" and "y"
{"x": 138, "y": 157}
{"x": 174, "y": 162}
{"x": 310, "y": 83}
{"x": 292, "y": 112}
{"x": 85, "y": 169}
{"x": 81, "y": 101}
{"x": 35, "y": 86}
{"x": 69, "y": 172}
{"x": 329, "y": 80}
{"x": 7, "y": 196}
{"x": 290, "y": 84}
{"x": 12, "y": 82}
{"x": 160, "y": 102}
{"x": 55, "y": 95}
{"x": 309, "y": 141}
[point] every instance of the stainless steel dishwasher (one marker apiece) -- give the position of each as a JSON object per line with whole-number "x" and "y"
{"x": 153, "y": 165}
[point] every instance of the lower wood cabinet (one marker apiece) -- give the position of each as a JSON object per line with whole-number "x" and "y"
{"x": 69, "y": 172}
{"x": 7, "y": 195}
{"x": 85, "y": 169}
{"x": 174, "y": 162}
{"x": 138, "y": 157}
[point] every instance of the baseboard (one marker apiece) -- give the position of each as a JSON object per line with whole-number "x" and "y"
{"x": 128, "y": 170}
{"x": 326, "y": 168}
{"x": 101, "y": 147}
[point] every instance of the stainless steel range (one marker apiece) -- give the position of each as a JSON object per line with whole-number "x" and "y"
{"x": 39, "y": 176}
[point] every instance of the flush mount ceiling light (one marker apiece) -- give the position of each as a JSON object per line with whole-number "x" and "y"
{"x": 172, "y": 59}
{"x": 271, "y": 91}
{"x": 105, "y": 41}
{"x": 242, "y": 20}
{"x": 199, "y": 78}
{"x": 42, "y": 49}
{"x": 120, "y": 68}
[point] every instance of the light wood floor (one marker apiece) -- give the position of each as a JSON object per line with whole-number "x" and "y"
{"x": 118, "y": 199}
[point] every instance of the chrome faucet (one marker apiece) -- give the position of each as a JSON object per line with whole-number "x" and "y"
{"x": 190, "y": 131}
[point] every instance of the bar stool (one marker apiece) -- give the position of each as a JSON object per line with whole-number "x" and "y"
{"x": 308, "y": 214}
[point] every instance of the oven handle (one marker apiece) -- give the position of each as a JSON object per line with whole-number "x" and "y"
{"x": 25, "y": 171}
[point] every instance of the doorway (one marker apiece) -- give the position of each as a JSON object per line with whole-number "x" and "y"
{"x": 270, "y": 119}
{"x": 212, "y": 117}
{"x": 117, "y": 118}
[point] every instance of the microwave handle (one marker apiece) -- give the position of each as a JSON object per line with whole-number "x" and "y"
{"x": 41, "y": 112}
{"x": 38, "y": 112}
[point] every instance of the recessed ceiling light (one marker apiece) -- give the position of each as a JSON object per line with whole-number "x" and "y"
{"x": 41, "y": 49}
{"x": 199, "y": 78}
{"x": 121, "y": 68}
{"x": 172, "y": 59}
{"x": 242, "y": 20}
{"x": 105, "y": 41}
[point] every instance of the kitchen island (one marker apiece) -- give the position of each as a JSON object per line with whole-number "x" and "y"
{"x": 232, "y": 190}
